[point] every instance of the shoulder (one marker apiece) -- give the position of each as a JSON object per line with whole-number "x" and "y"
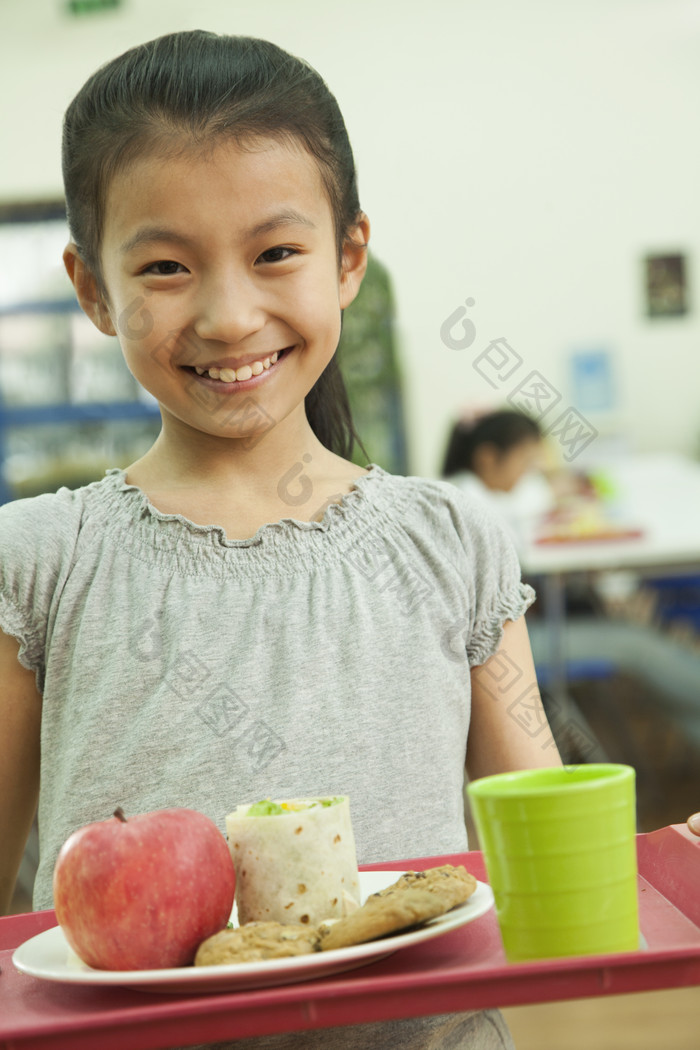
{"x": 50, "y": 522}
{"x": 441, "y": 507}
{"x": 413, "y": 484}
{"x": 39, "y": 548}
{"x": 467, "y": 482}
{"x": 459, "y": 547}
{"x": 451, "y": 532}
{"x": 42, "y": 517}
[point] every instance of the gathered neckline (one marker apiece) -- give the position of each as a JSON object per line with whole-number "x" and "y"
{"x": 334, "y": 514}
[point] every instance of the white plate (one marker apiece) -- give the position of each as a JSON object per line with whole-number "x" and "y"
{"x": 49, "y": 957}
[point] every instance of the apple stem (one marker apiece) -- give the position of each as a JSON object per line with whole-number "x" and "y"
{"x": 119, "y": 814}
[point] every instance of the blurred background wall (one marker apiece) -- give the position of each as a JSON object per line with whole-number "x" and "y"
{"x": 525, "y": 156}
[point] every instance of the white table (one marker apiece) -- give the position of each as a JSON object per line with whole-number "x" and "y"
{"x": 658, "y": 494}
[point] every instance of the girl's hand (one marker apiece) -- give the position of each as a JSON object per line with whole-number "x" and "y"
{"x": 694, "y": 823}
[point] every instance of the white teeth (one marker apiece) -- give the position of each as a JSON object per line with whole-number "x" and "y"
{"x": 238, "y": 375}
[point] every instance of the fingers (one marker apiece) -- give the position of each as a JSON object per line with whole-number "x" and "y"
{"x": 694, "y": 823}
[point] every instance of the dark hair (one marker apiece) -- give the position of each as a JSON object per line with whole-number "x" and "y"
{"x": 192, "y": 89}
{"x": 504, "y": 429}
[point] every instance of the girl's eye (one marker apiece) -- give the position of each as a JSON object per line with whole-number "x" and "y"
{"x": 273, "y": 255}
{"x": 164, "y": 268}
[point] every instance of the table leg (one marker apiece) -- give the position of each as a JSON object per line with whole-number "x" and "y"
{"x": 568, "y": 722}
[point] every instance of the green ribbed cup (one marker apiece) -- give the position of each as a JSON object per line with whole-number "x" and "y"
{"x": 560, "y": 852}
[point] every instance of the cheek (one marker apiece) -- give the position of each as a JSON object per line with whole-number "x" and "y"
{"x": 512, "y": 469}
{"x": 134, "y": 321}
{"x": 150, "y": 345}
{"x": 522, "y": 467}
{"x": 316, "y": 311}
{"x": 137, "y": 359}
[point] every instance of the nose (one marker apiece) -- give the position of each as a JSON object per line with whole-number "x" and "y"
{"x": 228, "y": 309}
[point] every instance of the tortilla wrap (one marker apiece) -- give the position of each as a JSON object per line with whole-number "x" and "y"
{"x": 298, "y": 866}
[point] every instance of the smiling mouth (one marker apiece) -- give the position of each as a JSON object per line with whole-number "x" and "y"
{"x": 239, "y": 375}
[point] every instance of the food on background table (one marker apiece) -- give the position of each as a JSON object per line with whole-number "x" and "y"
{"x": 257, "y": 941}
{"x": 142, "y": 893}
{"x": 416, "y": 897}
{"x": 295, "y": 860}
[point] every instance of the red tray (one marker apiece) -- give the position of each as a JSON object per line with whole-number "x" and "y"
{"x": 461, "y": 970}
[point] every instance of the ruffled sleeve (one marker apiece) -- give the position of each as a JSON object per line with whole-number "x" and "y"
{"x": 498, "y": 591}
{"x": 37, "y": 539}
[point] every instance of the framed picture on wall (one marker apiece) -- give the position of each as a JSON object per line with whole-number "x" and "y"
{"x": 666, "y": 285}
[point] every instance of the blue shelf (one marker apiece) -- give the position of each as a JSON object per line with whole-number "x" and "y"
{"x": 88, "y": 412}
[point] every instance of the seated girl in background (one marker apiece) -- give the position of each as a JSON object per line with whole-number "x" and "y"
{"x": 494, "y": 457}
{"x": 497, "y": 458}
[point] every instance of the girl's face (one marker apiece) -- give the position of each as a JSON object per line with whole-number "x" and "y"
{"x": 222, "y": 282}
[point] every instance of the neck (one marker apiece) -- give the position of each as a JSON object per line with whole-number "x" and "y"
{"x": 241, "y": 486}
{"x": 281, "y": 472}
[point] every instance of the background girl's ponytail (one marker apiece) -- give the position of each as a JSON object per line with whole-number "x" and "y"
{"x": 503, "y": 430}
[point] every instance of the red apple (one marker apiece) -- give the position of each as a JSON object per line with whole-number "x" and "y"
{"x": 143, "y": 893}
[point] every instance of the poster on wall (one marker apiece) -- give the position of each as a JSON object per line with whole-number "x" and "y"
{"x": 592, "y": 381}
{"x": 666, "y": 285}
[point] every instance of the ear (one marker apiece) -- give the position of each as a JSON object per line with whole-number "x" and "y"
{"x": 87, "y": 290}
{"x": 354, "y": 264}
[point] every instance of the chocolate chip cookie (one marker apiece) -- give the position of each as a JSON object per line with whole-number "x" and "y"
{"x": 256, "y": 941}
{"x": 413, "y": 899}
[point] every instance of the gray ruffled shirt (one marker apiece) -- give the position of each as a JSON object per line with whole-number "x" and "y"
{"x": 180, "y": 668}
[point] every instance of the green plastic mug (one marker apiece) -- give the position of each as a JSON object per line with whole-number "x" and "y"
{"x": 560, "y": 852}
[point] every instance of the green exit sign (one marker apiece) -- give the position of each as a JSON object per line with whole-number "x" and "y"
{"x": 91, "y": 7}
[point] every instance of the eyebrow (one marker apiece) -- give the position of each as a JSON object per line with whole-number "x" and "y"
{"x": 157, "y": 234}
{"x": 290, "y": 217}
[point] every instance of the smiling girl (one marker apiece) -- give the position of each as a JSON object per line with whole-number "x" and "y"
{"x": 191, "y": 630}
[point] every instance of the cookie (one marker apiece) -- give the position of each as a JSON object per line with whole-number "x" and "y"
{"x": 451, "y": 885}
{"x": 414, "y": 898}
{"x": 256, "y": 941}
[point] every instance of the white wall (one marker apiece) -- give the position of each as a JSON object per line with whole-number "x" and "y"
{"x": 522, "y": 154}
